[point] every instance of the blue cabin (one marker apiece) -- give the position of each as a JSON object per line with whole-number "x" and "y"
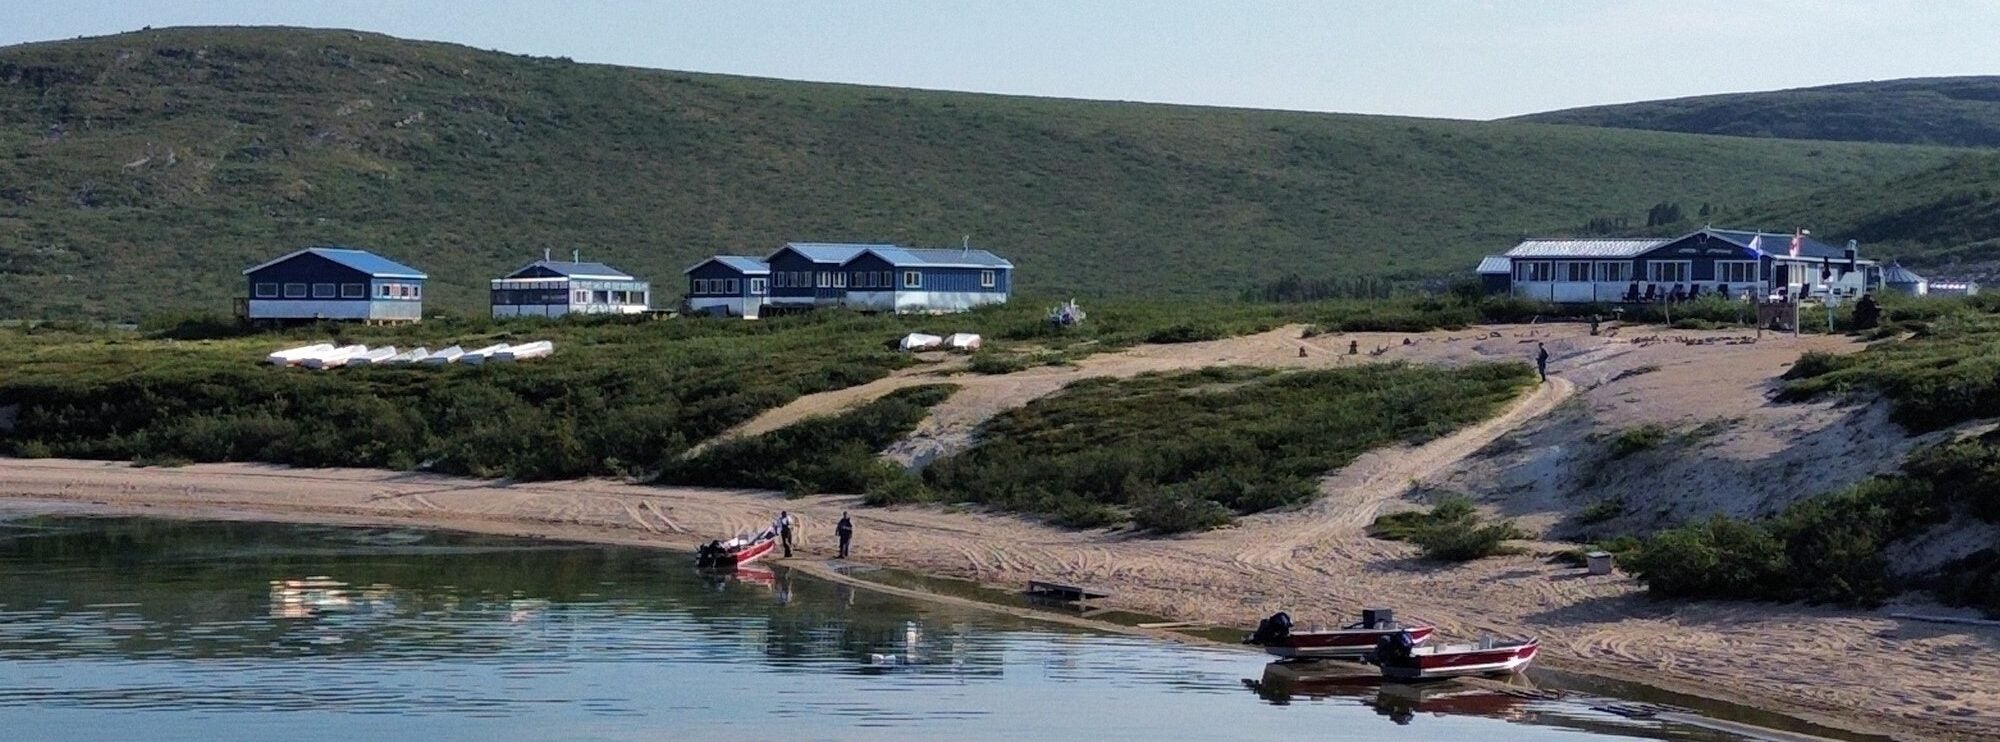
{"x": 728, "y": 285}
{"x": 809, "y": 274}
{"x": 886, "y": 278}
{"x": 1707, "y": 261}
{"x": 553, "y": 288}
{"x": 333, "y": 283}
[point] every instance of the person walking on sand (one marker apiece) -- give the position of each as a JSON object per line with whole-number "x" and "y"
{"x": 1541, "y": 362}
{"x": 785, "y": 531}
{"x": 845, "y": 531}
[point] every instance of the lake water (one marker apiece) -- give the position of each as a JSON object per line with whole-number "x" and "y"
{"x": 122, "y": 629}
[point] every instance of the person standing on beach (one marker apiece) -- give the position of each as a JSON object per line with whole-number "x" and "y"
{"x": 1542, "y": 360}
{"x": 845, "y": 530}
{"x": 785, "y": 531}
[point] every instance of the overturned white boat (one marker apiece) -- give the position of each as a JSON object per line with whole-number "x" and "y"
{"x": 412, "y": 355}
{"x": 964, "y": 341}
{"x": 334, "y": 358}
{"x": 525, "y": 351}
{"x": 293, "y": 356}
{"x": 373, "y": 356}
{"x": 448, "y": 355}
{"x": 920, "y": 341}
{"x": 476, "y": 357}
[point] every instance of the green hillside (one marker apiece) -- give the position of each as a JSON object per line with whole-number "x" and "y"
{"x": 143, "y": 171}
{"x": 1945, "y": 218}
{"x": 1950, "y": 111}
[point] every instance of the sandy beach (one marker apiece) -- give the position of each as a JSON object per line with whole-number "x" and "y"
{"x": 1855, "y": 669}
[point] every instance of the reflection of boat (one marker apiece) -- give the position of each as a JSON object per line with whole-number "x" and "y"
{"x": 308, "y": 597}
{"x": 1449, "y": 698}
{"x": 737, "y": 551}
{"x": 1487, "y": 657}
{"x": 1353, "y": 641}
{"x": 757, "y": 574}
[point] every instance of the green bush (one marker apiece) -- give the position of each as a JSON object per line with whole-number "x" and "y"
{"x": 901, "y": 490}
{"x": 1450, "y": 531}
{"x": 997, "y": 362}
{"x": 835, "y": 453}
{"x": 1637, "y": 439}
{"x": 1601, "y": 511}
{"x": 1176, "y": 511}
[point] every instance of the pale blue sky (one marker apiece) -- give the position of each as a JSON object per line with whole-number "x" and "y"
{"x": 1460, "y": 59}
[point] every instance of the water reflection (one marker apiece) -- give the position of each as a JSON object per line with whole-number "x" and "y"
{"x": 131, "y": 627}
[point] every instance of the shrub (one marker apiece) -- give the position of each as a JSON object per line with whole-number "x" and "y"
{"x": 1450, "y": 531}
{"x": 996, "y": 362}
{"x": 1636, "y": 439}
{"x": 1174, "y": 511}
{"x": 822, "y": 454}
{"x": 1601, "y": 511}
{"x": 898, "y": 490}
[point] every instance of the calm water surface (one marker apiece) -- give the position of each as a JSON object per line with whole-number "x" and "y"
{"x": 140, "y": 629}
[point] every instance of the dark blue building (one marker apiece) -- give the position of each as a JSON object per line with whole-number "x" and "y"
{"x": 729, "y": 285}
{"x": 808, "y": 274}
{"x": 903, "y": 279}
{"x": 1707, "y": 261}
{"x": 334, "y": 283}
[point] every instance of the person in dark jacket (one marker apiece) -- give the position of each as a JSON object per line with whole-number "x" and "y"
{"x": 1542, "y": 360}
{"x": 845, "y": 530}
{"x": 785, "y": 531}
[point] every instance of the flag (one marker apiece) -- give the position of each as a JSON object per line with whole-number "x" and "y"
{"x": 1757, "y": 243}
{"x": 1797, "y": 237}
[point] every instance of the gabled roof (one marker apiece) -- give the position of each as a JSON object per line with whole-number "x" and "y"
{"x": 575, "y": 270}
{"x": 367, "y": 262}
{"x": 744, "y": 265}
{"x": 826, "y": 252}
{"x": 1584, "y": 248}
{"x": 1496, "y": 264}
{"x": 911, "y": 257}
{"x": 1777, "y": 244}
{"x": 1896, "y": 273}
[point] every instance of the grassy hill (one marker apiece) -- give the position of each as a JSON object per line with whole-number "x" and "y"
{"x": 1945, "y": 218}
{"x": 143, "y": 171}
{"x": 1951, "y": 111}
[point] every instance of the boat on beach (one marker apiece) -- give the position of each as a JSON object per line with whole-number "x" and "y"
{"x": 292, "y": 356}
{"x": 1352, "y": 642}
{"x": 413, "y": 355}
{"x": 373, "y": 356}
{"x": 477, "y": 357}
{"x": 1488, "y": 656}
{"x": 448, "y": 355}
{"x": 334, "y": 358}
{"x": 735, "y": 552}
{"x": 524, "y": 351}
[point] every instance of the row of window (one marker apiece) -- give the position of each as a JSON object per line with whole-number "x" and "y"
{"x": 336, "y": 291}
{"x": 860, "y": 279}
{"x": 727, "y": 286}
{"x": 1607, "y": 271}
{"x": 580, "y": 296}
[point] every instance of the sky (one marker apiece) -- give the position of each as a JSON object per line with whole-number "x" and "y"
{"x": 1439, "y": 58}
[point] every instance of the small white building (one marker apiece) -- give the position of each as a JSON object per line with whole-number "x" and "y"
{"x": 551, "y": 288}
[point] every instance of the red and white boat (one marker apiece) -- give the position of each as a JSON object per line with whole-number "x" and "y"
{"x": 1353, "y": 642}
{"x": 1487, "y": 657}
{"x": 735, "y": 552}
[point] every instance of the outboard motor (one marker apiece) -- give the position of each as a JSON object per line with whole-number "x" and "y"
{"x": 1272, "y": 629}
{"x": 1392, "y": 648}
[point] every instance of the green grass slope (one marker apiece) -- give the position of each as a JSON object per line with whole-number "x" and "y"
{"x": 145, "y": 170}
{"x": 1949, "y": 111}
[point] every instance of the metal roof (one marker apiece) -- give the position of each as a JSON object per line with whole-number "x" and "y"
{"x": 1496, "y": 264}
{"x": 1586, "y": 248}
{"x": 1896, "y": 273}
{"x": 1778, "y": 244}
{"x": 744, "y": 265}
{"x": 367, "y": 262}
{"x": 906, "y": 257}
{"x": 828, "y": 252}
{"x": 575, "y": 270}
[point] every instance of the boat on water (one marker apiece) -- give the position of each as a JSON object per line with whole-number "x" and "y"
{"x": 1352, "y": 642}
{"x": 1401, "y": 661}
{"x": 735, "y": 552}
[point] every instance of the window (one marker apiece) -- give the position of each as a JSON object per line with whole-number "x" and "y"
{"x": 913, "y": 280}
{"x": 353, "y": 291}
{"x": 1574, "y": 271}
{"x": 700, "y": 286}
{"x": 323, "y": 291}
{"x": 580, "y": 296}
{"x": 757, "y": 286}
{"x": 840, "y": 279}
{"x": 267, "y": 291}
{"x": 1613, "y": 271}
{"x": 416, "y": 291}
{"x": 295, "y": 291}
{"x": 882, "y": 279}
{"x": 1736, "y": 271}
{"x": 387, "y": 290}
{"x": 986, "y": 279}
{"x": 730, "y": 287}
{"x": 1533, "y": 271}
{"x": 1667, "y": 271}
{"x": 825, "y": 279}
{"x": 604, "y": 297}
